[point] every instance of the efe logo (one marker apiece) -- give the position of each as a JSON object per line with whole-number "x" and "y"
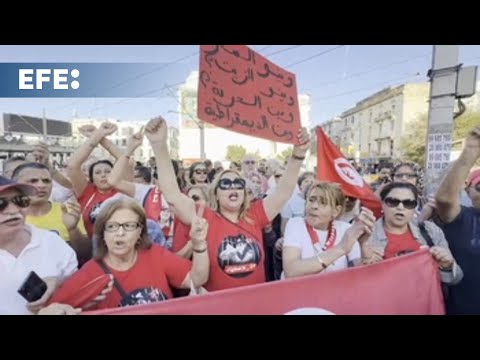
{"x": 33, "y": 79}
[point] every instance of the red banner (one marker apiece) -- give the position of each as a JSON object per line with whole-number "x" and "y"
{"x": 333, "y": 167}
{"x": 407, "y": 285}
{"x": 242, "y": 91}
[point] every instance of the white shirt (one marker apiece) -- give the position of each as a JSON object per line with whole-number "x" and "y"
{"x": 47, "y": 254}
{"x": 296, "y": 235}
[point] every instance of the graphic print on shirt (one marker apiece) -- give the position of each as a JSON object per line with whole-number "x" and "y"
{"x": 143, "y": 296}
{"x": 94, "y": 211}
{"x": 238, "y": 256}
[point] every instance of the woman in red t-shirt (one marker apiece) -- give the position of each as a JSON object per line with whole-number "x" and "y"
{"x": 91, "y": 192}
{"x": 143, "y": 272}
{"x": 235, "y": 227}
{"x": 400, "y": 233}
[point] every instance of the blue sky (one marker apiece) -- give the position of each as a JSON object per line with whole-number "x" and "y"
{"x": 335, "y": 76}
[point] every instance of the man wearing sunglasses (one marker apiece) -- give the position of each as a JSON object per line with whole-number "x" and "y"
{"x": 25, "y": 248}
{"x": 462, "y": 225}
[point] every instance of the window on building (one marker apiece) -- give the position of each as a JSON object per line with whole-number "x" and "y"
{"x": 380, "y": 130}
{"x": 392, "y": 122}
{"x": 391, "y": 147}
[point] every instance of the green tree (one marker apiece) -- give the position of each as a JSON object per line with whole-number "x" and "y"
{"x": 412, "y": 142}
{"x": 284, "y": 155}
{"x": 464, "y": 124}
{"x": 235, "y": 153}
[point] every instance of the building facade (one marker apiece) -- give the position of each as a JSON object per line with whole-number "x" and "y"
{"x": 371, "y": 131}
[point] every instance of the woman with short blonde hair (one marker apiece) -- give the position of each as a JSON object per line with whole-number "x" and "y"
{"x": 320, "y": 243}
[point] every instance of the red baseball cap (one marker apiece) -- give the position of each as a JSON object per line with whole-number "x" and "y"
{"x": 473, "y": 178}
{"x": 6, "y": 183}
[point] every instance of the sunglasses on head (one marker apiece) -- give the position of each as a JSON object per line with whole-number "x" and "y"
{"x": 22, "y": 201}
{"x": 201, "y": 172}
{"x": 227, "y": 184}
{"x": 407, "y": 203}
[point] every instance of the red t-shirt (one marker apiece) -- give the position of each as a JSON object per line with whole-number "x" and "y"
{"x": 398, "y": 244}
{"x": 90, "y": 202}
{"x": 149, "y": 280}
{"x": 236, "y": 250}
{"x": 181, "y": 235}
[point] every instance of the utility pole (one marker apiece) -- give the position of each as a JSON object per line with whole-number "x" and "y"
{"x": 201, "y": 127}
{"x": 44, "y": 126}
{"x": 449, "y": 81}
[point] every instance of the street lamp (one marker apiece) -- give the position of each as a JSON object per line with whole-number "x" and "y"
{"x": 201, "y": 126}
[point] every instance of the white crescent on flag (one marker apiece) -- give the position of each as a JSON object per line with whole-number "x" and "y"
{"x": 346, "y": 171}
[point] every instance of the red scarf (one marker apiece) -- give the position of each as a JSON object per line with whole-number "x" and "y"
{"x": 331, "y": 236}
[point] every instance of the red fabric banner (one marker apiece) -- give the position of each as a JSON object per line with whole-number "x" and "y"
{"x": 407, "y": 285}
{"x": 333, "y": 167}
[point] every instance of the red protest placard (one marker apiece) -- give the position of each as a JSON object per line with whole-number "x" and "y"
{"x": 240, "y": 90}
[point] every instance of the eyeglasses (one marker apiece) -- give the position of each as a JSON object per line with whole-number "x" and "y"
{"x": 405, "y": 175}
{"x": 249, "y": 162}
{"x": 227, "y": 184}
{"x": 128, "y": 226}
{"x": 195, "y": 198}
{"x": 22, "y": 201}
{"x": 407, "y": 203}
{"x": 200, "y": 172}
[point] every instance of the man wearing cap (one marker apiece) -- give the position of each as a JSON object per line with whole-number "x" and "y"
{"x": 462, "y": 226}
{"x": 25, "y": 248}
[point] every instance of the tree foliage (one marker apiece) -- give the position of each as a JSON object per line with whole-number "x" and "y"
{"x": 413, "y": 140}
{"x": 235, "y": 153}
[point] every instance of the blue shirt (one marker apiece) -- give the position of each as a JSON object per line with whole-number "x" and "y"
{"x": 463, "y": 236}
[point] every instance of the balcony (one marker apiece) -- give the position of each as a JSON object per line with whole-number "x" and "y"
{"x": 387, "y": 115}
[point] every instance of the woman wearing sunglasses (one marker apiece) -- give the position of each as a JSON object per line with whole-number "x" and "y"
{"x": 398, "y": 232}
{"x": 198, "y": 174}
{"x": 235, "y": 244}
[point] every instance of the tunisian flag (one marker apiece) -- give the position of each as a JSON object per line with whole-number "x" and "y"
{"x": 333, "y": 167}
{"x": 406, "y": 285}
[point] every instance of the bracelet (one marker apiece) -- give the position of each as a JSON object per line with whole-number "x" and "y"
{"x": 321, "y": 262}
{"x": 298, "y": 157}
{"x": 200, "y": 251}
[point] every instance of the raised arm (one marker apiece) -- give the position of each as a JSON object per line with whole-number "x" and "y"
{"x": 116, "y": 177}
{"x": 447, "y": 196}
{"x": 274, "y": 203}
{"x": 156, "y": 132}
{"x": 200, "y": 260}
{"x": 79, "y": 182}
{"x": 41, "y": 154}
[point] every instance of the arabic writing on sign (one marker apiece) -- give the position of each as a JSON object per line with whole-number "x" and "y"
{"x": 242, "y": 91}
